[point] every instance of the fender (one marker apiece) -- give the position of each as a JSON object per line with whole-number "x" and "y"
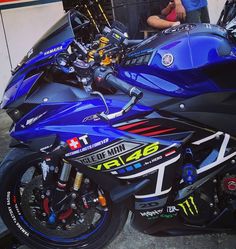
{"x": 17, "y": 154}
{"x": 14, "y": 156}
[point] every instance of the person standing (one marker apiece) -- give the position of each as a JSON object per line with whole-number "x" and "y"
{"x": 192, "y": 11}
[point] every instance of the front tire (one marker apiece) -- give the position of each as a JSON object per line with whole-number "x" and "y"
{"x": 13, "y": 212}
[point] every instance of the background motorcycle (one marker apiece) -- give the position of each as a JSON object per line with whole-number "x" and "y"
{"x": 84, "y": 152}
{"x": 228, "y": 13}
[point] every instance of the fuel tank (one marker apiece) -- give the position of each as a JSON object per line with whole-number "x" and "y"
{"x": 182, "y": 61}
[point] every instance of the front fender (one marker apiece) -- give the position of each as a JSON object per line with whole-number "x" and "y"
{"x": 14, "y": 156}
{"x": 17, "y": 154}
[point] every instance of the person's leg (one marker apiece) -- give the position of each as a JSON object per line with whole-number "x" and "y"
{"x": 193, "y": 16}
{"x": 159, "y": 23}
{"x": 205, "y": 15}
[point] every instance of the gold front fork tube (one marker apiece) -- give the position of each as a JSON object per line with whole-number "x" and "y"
{"x": 78, "y": 181}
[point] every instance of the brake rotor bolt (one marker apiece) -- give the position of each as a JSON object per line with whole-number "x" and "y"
{"x": 86, "y": 181}
{"x": 44, "y": 214}
{"x": 182, "y": 106}
{"x": 216, "y": 199}
{"x": 74, "y": 195}
{"x": 73, "y": 206}
{"x": 211, "y": 205}
{"x": 233, "y": 161}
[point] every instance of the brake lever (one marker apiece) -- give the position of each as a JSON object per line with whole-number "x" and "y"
{"x": 120, "y": 113}
{"x": 103, "y": 99}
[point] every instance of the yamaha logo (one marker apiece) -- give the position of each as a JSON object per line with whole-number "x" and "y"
{"x": 53, "y": 50}
{"x": 167, "y": 60}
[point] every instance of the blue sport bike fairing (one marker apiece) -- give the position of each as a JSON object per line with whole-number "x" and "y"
{"x": 105, "y": 125}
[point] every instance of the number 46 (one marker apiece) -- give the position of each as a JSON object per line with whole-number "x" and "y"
{"x": 148, "y": 150}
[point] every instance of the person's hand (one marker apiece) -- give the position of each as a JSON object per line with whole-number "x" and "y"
{"x": 171, "y": 5}
{"x": 180, "y": 11}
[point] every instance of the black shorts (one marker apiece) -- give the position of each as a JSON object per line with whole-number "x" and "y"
{"x": 198, "y": 16}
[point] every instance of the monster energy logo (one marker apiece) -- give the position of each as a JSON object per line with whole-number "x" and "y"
{"x": 189, "y": 206}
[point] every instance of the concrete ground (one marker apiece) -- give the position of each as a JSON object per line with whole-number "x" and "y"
{"x": 129, "y": 238}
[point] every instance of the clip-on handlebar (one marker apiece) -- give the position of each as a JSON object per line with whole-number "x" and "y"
{"x": 105, "y": 75}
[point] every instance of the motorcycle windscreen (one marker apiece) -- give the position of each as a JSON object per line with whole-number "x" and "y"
{"x": 63, "y": 30}
{"x": 56, "y": 39}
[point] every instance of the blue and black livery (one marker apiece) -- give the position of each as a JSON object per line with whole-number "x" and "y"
{"x": 151, "y": 154}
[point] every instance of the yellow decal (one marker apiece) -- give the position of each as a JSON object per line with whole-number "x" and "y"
{"x": 122, "y": 160}
{"x": 189, "y": 206}
{"x": 135, "y": 156}
{"x": 107, "y": 165}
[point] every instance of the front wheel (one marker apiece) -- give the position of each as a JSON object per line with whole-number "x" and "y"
{"x": 25, "y": 209}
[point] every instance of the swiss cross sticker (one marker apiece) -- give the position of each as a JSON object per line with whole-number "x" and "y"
{"x": 74, "y": 143}
{"x": 78, "y": 142}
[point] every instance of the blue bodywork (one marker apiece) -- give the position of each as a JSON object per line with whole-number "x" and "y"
{"x": 192, "y": 49}
{"x": 68, "y": 120}
{"x": 172, "y": 69}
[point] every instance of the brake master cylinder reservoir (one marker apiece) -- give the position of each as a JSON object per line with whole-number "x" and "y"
{"x": 103, "y": 41}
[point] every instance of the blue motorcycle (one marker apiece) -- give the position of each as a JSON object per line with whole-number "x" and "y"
{"x": 105, "y": 126}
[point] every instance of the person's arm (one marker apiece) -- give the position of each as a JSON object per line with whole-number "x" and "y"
{"x": 168, "y": 9}
{"x": 180, "y": 10}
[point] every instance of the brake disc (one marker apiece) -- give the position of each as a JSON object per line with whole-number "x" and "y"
{"x": 33, "y": 210}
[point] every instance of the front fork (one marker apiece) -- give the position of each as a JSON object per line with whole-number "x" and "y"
{"x": 49, "y": 172}
{"x": 77, "y": 184}
{"x": 58, "y": 196}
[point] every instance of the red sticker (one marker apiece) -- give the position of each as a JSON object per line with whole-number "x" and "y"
{"x": 74, "y": 143}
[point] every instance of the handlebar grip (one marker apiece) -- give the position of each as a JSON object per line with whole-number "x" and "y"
{"x": 123, "y": 86}
{"x": 102, "y": 74}
{"x": 134, "y": 42}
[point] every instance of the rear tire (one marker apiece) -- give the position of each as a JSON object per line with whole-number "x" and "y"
{"x": 104, "y": 231}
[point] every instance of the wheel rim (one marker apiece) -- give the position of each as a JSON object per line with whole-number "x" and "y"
{"x": 21, "y": 191}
